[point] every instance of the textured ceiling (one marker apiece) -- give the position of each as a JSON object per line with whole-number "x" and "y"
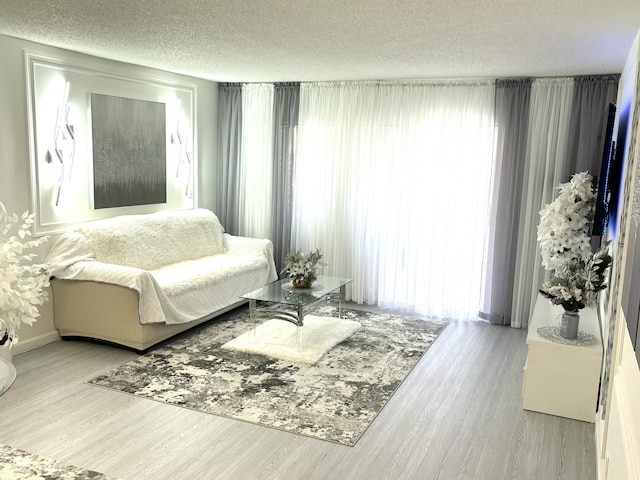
{"x": 310, "y": 40}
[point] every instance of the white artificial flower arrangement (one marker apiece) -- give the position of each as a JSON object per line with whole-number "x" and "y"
{"x": 302, "y": 268}
{"x": 577, "y": 274}
{"x": 22, "y": 283}
{"x": 563, "y": 232}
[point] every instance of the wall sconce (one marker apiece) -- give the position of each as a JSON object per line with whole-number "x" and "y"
{"x": 64, "y": 144}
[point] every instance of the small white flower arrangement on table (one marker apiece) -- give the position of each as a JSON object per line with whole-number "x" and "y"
{"x": 302, "y": 268}
{"x": 577, "y": 274}
{"x": 22, "y": 283}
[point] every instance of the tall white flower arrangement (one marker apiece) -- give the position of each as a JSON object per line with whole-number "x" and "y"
{"x": 563, "y": 232}
{"x": 577, "y": 274}
{"x": 22, "y": 283}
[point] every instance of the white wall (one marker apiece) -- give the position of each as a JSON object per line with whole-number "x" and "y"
{"x": 15, "y": 180}
{"x": 618, "y": 434}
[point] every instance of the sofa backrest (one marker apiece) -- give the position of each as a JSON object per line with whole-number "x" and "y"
{"x": 153, "y": 240}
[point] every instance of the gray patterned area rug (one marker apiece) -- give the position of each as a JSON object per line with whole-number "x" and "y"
{"x": 335, "y": 399}
{"x": 20, "y": 465}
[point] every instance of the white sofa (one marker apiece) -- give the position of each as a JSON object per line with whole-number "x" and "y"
{"x": 136, "y": 280}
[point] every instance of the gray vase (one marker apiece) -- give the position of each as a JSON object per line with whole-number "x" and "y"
{"x": 569, "y": 325}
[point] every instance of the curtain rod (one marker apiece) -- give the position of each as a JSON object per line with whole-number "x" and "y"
{"x": 612, "y": 77}
{"x": 439, "y": 82}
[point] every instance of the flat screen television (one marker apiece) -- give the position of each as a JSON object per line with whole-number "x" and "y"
{"x": 608, "y": 180}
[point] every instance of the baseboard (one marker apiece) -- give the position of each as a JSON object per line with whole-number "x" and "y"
{"x": 36, "y": 342}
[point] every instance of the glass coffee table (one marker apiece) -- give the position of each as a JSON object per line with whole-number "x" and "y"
{"x": 283, "y": 301}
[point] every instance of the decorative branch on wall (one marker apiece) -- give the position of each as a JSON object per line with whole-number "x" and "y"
{"x": 181, "y": 139}
{"x": 64, "y": 144}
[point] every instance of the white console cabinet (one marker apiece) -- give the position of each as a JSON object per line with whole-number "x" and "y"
{"x": 560, "y": 379}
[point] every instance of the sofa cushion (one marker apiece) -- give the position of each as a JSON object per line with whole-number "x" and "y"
{"x": 205, "y": 272}
{"x": 153, "y": 240}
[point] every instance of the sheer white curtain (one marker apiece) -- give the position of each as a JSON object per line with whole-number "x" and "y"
{"x": 256, "y": 162}
{"x": 549, "y": 117}
{"x": 392, "y": 183}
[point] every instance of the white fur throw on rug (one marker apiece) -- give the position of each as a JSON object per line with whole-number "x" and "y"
{"x": 278, "y": 339}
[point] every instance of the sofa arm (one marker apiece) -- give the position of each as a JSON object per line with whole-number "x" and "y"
{"x": 260, "y": 247}
{"x": 102, "y": 272}
{"x": 245, "y": 245}
{"x": 151, "y": 296}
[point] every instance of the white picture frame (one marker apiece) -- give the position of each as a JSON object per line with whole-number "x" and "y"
{"x": 60, "y": 143}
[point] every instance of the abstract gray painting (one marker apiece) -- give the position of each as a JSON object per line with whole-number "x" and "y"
{"x": 129, "y": 151}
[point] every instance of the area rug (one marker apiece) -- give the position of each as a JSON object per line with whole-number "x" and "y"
{"x": 20, "y": 465}
{"x": 279, "y": 339}
{"x": 335, "y": 400}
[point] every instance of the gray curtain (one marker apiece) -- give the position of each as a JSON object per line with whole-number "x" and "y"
{"x": 285, "y": 110}
{"x": 512, "y": 123}
{"x": 591, "y": 98}
{"x": 229, "y": 151}
{"x": 590, "y": 106}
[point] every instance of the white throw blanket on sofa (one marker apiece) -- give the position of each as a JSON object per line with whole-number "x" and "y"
{"x": 181, "y": 263}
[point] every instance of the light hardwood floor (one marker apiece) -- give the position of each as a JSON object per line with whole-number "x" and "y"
{"x": 457, "y": 416}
